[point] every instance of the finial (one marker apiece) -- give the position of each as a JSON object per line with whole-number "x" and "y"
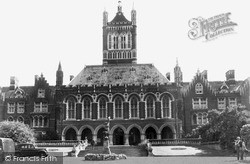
{"x": 133, "y": 6}
{"x": 177, "y": 61}
{"x": 119, "y": 6}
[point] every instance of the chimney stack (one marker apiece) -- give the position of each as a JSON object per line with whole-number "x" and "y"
{"x": 230, "y": 76}
{"x": 13, "y": 83}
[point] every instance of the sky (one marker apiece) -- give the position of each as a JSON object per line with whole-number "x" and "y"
{"x": 35, "y": 35}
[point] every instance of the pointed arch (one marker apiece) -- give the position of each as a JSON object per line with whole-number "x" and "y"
{"x": 134, "y": 126}
{"x": 68, "y": 127}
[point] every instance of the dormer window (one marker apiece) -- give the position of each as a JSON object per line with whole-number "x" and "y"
{"x": 199, "y": 88}
{"x": 41, "y": 93}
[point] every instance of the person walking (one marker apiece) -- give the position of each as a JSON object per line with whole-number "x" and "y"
{"x": 240, "y": 147}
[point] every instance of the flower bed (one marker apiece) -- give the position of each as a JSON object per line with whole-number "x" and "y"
{"x": 102, "y": 157}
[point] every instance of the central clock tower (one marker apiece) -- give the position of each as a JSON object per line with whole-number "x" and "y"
{"x": 119, "y": 38}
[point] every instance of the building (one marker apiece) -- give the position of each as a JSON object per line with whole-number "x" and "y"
{"x": 32, "y": 105}
{"x": 140, "y": 101}
{"x": 202, "y": 95}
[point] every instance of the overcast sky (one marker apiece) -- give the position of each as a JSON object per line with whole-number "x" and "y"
{"x": 36, "y": 34}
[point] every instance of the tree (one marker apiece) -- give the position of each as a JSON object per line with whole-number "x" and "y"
{"x": 17, "y": 131}
{"x": 245, "y": 132}
{"x": 223, "y": 126}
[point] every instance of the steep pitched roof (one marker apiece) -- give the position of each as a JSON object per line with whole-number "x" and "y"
{"x": 119, "y": 75}
{"x": 119, "y": 19}
{"x": 214, "y": 86}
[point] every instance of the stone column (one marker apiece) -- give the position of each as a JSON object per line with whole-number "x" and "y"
{"x": 143, "y": 137}
{"x": 158, "y": 136}
{"x": 63, "y": 137}
{"x": 78, "y": 137}
{"x": 110, "y": 139}
{"x": 126, "y": 139}
{"x": 95, "y": 137}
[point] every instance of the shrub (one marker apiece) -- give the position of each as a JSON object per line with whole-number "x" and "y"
{"x": 17, "y": 131}
{"x": 102, "y": 157}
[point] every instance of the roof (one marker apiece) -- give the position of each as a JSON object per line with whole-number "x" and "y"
{"x": 214, "y": 86}
{"x": 119, "y": 75}
{"x": 120, "y": 19}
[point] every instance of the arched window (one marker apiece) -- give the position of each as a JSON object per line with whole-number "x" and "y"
{"x": 129, "y": 55}
{"x": 150, "y": 106}
{"x": 124, "y": 55}
{"x": 194, "y": 119}
{"x": 20, "y": 119}
{"x": 204, "y": 118}
{"x": 110, "y": 55}
{"x": 86, "y": 107}
{"x": 10, "y": 118}
{"x": 118, "y": 107}
{"x": 199, "y": 118}
{"x": 102, "y": 107}
{"x": 134, "y": 107}
{"x": 71, "y": 108}
{"x": 40, "y": 121}
{"x": 35, "y": 121}
{"x": 114, "y": 55}
{"x": 198, "y": 88}
{"x": 129, "y": 40}
{"x": 124, "y": 42}
{"x": 46, "y": 123}
{"x": 166, "y": 106}
{"x": 109, "y": 41}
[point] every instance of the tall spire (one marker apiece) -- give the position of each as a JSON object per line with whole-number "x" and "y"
{"x": 177, "y": 62}
{"x": 119, "y": 6}
{"x": 59, "y": 75}
{"x": 59, "y": 67}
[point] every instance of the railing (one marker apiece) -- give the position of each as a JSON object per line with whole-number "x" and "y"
{"x": 56, "y": 143}
{"x": 182, "y": 141}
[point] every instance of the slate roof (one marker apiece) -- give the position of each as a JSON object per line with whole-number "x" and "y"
{"x": 214, "y": 86}
{"x": 119, "y": 75}
{"x": 119, "y": 19}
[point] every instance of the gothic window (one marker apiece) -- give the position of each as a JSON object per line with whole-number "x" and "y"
{"x": 11, "y": 108}
{"x": 194, "y": 119}
{"x": 199, "y": 118}
{"x": 221, "y": 103}
{"x": 102, "y": 108}
{"x": 114, "y": 55}
{"x": 109, "y": 41}
{"x": 71, "y": 108}
{"x": 129, "y": 55}
{"x": 86, "y": 107}
{"x": 198, "y": 88}
{"x": 10, "y": 118}
{"x": 41, "y": 93}
{"x": 109, "y": 55}
{"x": 40, "y": 121}
{"x": 124, "y": 55}
{"x": 129, "y": 40}
{"x": 45, "y": 120}
{"x": 118, "y": 107}
{"x": 204, "y": 118}
{"x": 150, "y": 106}
{"x": 134, "y": 107}
{"x": 20, "y": 107}
{"x": 124, "y": 42}
{"x": 20, "y": 119}
{"x": 166, "y": 106}
{"x": 35, "y": 121}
